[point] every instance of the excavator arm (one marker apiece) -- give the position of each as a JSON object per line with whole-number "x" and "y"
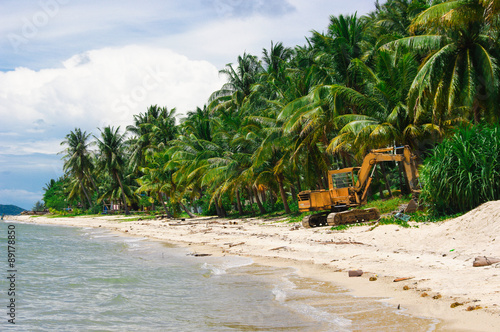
{"x": 365, "y": 174}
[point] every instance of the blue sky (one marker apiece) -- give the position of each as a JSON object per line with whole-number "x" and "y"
{"x": 86, "y": 64}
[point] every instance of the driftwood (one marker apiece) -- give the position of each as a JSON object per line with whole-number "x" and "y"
{"x": 355, "y": 273}
{"x": 234, "y": 244}
{"x": 201, "y": 255}
{"x": 403, "y": 279}
{"x": 278, "y": 248}
{"x": 485, "y": 261}
{"x": 185, "y": 224}
{"x": 341, "y": 242}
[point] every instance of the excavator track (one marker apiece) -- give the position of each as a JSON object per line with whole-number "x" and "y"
{"x": 315, "y": 220}
{"x": 352, "y": 216}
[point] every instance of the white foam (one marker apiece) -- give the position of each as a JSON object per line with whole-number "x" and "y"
{"x": 220, "y": 268}
{"x": 338, "y": 323}
{"x": 279, "y": 294}
{"x": 214, "y": 270}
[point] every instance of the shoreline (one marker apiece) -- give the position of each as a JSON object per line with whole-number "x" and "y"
{"x": 385, "y": 252}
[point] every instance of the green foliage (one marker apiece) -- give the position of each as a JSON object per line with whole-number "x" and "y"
{"x": 463, "y": 171}
{"x": 393, "y": 221}
{"x": 38, "y": 207}
{"x": 345, "y": 226}
{"x": 420, "y": 216}
{"x": 387, "y": 205}
{"x": 207, "y": 209}
{"x": 56, "y": 197}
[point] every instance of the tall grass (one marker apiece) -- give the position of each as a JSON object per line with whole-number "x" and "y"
{"x": 463, "y": 171}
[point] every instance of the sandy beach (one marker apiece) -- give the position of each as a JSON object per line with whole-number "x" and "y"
{"x": 436, "y": 257}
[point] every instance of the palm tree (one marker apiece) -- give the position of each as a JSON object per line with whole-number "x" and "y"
{"x": 78, "y": 162}
{"x": 156, "y": 180}
{"x": 111, "y": 157}
{"x": 459, "y": 74}
{"x": 386, "y": 120}
{"x": 151, "y": 132}
{"x": 396, "y": 16}
{"x": 198, "y": 123}
{"x": 241, "y": 78}
{"x": 340, "y": 45}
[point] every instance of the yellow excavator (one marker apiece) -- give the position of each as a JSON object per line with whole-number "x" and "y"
{"x": 348, "y": 187}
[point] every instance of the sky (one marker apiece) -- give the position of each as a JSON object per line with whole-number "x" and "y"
{"x": 67, "y": 64}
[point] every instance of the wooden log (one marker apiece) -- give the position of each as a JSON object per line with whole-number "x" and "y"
{"x": 278, "y": 248}
{"x": 235, "y": 244}
{"x": 485, "y": 261}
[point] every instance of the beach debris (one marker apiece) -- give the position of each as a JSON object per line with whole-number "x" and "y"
{"x": 411, "y": 207}
{"x": 199, "y": 255}
{"x": 455, "y": 304}
{"x": 234, "y": 244}
{"x": 485, "y": 261}
{"x": 473, "y": 307}
{"x": 399, "y": 306}
{"x": 402, "y": 216}
{"x": 437, "y": 297}
{"x": 424, "y": 294}
{"x": 278, "y": 248}
{"x": 355, "y": 273}
{"x": 406, "y": 287}
{"x": 341, "y": 242}
{"x": 402, "y": 279}
{"x": 373, "y": 278}
{"x": 183, "y": 224}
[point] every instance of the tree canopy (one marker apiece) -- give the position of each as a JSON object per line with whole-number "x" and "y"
{"x": 408, "y": 73}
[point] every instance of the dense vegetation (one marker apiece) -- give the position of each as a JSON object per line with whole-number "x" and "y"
{"x": 463, "y": 171}
{"x": 408, "y": 73}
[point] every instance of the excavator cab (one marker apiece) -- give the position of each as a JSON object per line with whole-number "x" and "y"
{"x": 341, "y": 183}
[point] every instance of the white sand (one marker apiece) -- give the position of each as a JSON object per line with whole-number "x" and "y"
{"x": 438, "y": 256}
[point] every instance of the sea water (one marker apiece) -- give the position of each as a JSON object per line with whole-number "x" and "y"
{"x": 82, "y": 279}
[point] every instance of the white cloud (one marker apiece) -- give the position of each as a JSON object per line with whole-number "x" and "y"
{"x": 101, "y": 87}
{"x": 22, "y": 198}
{"x": 222, "y": 40}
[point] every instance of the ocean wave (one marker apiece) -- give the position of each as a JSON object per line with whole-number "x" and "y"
{"x": 220, "y": 268}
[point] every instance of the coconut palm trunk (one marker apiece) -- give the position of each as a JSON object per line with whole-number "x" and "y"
{"x": 257, "y": 199}
{"x": 238, "y": 201}
{"x": 190, "y": 214}
{"x": 85, "y": 193}
{"x": 167, "y": 211}
{"x": 283, "y": 194}
{"x": 124, "y": 198}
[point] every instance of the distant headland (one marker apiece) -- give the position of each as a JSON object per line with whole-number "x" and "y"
{"x": 10, "y": 209}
